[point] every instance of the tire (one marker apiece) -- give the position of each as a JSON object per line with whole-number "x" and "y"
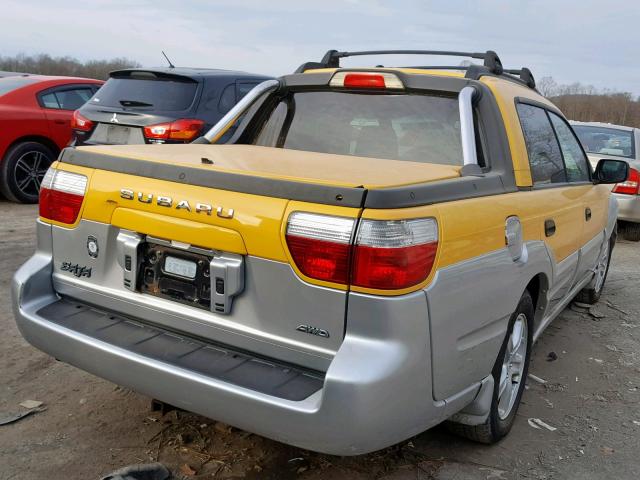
{"x": 630, "y": 231}
{"x": 503, "y": 410}
{"x": 22, "y": 170}
{"x": 591, "y": 293}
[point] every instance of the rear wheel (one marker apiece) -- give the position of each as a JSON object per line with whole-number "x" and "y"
{"x": 591, "y": 293}
{"x": 509, "y": 374}
{"x": 630, "y": 231}
{"x": 22, "y": 171}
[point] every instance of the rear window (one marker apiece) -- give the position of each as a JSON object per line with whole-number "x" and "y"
{"x": 416, "y": 128}
{"x": 8, "y": 84}
{"x": 608, "y": 141}
{"x": 147, "y": 94}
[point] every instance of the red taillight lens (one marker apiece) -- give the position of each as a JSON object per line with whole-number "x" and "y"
{"x": 386, "y": 254}
{"x": 184, "y": 129}
{"x": 80, "y": 122}
{"x": 631, "y": 186}
{"x": 363, "y": 80}
{"x": 61, "y": 195}
{"x": 394, "y": 254}
{"x": 320, "y": 245}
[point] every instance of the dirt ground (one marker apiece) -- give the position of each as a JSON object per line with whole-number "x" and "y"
{"x": 92, "y": 427}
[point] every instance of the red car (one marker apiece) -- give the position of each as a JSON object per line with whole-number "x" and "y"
{"x": 35, "y": 124}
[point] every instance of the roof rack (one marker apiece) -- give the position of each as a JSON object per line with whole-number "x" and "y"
{"x": 491, "y": 63}
{"x": 524, "y": 75}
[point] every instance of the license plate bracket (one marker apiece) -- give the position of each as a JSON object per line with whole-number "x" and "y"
{"x": 175, "y": 274}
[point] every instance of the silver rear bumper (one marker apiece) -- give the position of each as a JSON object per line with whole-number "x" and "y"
{"x": 376, "y": 392}
{"x": 628, "y": 207}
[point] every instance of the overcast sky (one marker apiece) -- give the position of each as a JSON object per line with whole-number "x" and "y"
{"x": 593, "y": 42}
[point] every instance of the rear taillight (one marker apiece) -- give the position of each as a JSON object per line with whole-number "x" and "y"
{"x": 184, "y": 130}
{"x": 384, "y": 255}
{"x": 631, "y": 186}
{"x": 366, "y": 80}
{"x": 320, "y": 245}
{"x": 61, "y": 195}
{"x": 80, "y": 122}
{"x": 394, "y": 254}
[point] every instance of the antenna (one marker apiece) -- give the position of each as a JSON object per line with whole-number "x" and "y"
{"x": 171, "y": 65}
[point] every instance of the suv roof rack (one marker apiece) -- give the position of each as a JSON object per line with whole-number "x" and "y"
{"x": 492, "y": 65}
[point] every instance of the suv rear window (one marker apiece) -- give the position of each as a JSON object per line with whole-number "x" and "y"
{"x": 608, "y": 141}
{"x": 161, "y": 94}
{"x": 416, "y": 128}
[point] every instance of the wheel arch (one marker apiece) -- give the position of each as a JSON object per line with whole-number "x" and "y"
{"x": 46, "y": 141}
{"x": 537, "y": 287}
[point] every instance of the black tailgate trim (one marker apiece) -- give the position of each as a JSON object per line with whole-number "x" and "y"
{"x": 212, "y": 360}
{"x": 305, "y": 192}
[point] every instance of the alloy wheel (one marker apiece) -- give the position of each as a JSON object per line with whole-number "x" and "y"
{"x": 29, "y": 171}
{"x": 601, "y": 268}
{"x": 513, "y": 365}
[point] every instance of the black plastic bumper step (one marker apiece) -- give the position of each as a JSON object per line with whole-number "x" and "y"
{"x": 214, "y": 361}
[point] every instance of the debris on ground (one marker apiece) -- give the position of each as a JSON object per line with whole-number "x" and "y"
{"x": 31, "y": 404}
{"x": 185, "y": 469}
{"x": 537, "y": 423}
{"x": 6, "y": 419}
{"x": 595, "y": 313}
{"x": 537, "y": 379}
{"x": 150, "y": 471}
{"x": 616, "y": 308}
{"x": 552, "y": 356}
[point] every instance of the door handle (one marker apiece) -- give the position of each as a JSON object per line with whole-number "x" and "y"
{"x": 587, "y": 214}
{"x": 549, "y": 227}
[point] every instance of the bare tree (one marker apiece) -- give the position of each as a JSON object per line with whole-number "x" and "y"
{"x": 43, "y": 64}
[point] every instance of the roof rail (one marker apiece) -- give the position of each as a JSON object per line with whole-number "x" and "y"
{"x": 491, "y": 63}
{"x": 332, "y": 58}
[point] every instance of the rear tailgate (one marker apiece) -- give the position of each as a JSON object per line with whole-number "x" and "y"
{"x": 190, "y": 209}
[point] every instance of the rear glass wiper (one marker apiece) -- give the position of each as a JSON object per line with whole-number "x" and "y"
{"x": 135, "y": 103}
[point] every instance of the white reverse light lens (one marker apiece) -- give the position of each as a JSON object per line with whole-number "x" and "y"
{"x": 320, "y": 227}
{"x": 397, "y": 233}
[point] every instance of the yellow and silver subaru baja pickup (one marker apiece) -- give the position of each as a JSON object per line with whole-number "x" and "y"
{"x": 371, "y": 253}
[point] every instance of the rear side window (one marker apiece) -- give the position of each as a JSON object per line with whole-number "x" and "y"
{"x": 544, "y": 153}
{"x": 575, "y": 161}
{"x": 67, "y": 99}
{"x": 608, "y": 141}
{"x": 161, "y": 94}
{"x": 416, "y": 128}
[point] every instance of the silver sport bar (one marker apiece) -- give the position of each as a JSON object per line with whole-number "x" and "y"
{"x": 467, "y": 132}
{"x": 219, "y": 129}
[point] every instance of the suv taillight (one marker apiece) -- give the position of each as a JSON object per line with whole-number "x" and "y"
{"x": 631, "y": 186}
{"x": 320, "y": 245}
{"x": 61, "y": 195}
{"x": 384, "y": 254}
{"x": 80, "y": 122}
{"x": 184, "y": 130}
{"x": 394, "y": 254}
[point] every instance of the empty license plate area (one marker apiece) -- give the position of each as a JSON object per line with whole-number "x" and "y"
{"x": 175, "y": 274}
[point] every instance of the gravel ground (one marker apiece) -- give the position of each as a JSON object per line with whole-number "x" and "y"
{"x": 92, "y": 427}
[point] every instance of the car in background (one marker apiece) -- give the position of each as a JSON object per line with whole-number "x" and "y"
{"x": 35, "y": 121}
{"x": 159, "y": 105}
{"x": 605, "y": 140}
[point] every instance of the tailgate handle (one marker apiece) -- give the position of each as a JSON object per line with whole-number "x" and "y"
{"x": 227, "y": 281}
